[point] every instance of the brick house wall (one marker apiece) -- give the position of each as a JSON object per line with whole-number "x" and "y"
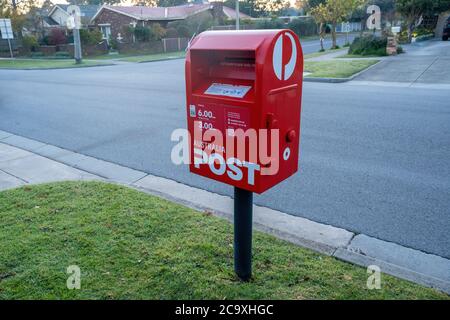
{"x": 117, "y": 22}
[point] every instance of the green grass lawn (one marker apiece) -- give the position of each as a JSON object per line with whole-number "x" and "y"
{"x": 46, "y": 64}
{"x": 318, "y": 54}
{"x": 155, "y": 57}
{"x": 336, "y": 68}
{"x": 130, "y": 245}
{"x": 358, "y": 56}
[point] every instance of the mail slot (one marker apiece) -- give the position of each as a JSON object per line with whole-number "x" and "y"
{"x": 241, "y": 85}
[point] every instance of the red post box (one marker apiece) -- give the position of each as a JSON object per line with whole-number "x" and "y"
{"x": 238, "y": 84}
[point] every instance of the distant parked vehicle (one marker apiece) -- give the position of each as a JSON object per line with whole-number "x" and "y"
{"x": 446, "y": 32}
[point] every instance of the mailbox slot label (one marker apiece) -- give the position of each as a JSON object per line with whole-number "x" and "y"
{"x": 228, "y": 90}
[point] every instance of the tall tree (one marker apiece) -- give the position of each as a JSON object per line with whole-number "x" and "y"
{"x": 322, "y": 15}
{"x": 413, "y": 11}
{"x": 259, "y": 8}
{"x": 170, "y": 3}
{"x": 93, "y": 2}
{"x": 334, "y": 12}
{"x": 148, "y": 3}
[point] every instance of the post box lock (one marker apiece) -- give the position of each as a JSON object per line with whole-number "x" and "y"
{"x": 291, "y": 135}
{"x": 272, "y": 123}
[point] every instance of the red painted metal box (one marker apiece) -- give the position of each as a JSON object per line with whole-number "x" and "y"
{"x": 243, "y": 92}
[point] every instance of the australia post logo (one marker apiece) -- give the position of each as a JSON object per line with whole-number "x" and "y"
{"x": 284, "y": 56}
{"x": 239, "y": 155}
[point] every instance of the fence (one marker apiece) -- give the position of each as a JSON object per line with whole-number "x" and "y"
{"x": 348, "y": 27}
{"x": 4, "y": 47}
{"x": 149, "y": 47}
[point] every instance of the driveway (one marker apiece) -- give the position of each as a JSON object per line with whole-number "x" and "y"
{"x": 425, "y": 62}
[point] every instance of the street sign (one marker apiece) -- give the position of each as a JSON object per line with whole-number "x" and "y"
{"x": 6, "y": 29}
{"x": 7, "y": 33}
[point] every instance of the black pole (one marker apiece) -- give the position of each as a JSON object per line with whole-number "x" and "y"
{"x": 243, "y": 216}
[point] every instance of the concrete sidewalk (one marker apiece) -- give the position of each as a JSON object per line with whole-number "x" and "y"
{"x": 25, "y": 161}
{"x": 423, "y": 63}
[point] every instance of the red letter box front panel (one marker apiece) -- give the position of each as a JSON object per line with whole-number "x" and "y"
{"x": 243, "y": 93}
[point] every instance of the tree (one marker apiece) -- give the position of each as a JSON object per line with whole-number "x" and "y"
{"x": 93, "y": 2}
{"x": 413, "y": 11}
{"x": 322, "y": 15}
{"x": 148, "y": 3}
{"x": 170, "y": 3}
{"x": 259, "y": 8}
{"x": 334, "y": 12}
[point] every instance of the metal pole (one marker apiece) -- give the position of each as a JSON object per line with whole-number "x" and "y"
{"x": 77, "y": 49}
{"x": 237, "y": 14}
{"x": 243, "y": 219}
{"x": 10, "y": 48}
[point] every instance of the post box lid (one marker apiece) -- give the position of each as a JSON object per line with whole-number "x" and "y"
{"x": 233, "y": 39}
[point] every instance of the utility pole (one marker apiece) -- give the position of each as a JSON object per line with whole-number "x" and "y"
{"x": 237, "y": 14}
{"x": 74, "y": 23}
{"x": 77, "y": 48}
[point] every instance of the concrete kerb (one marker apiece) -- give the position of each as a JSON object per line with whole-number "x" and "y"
{"x": 410, "y": 264}
{"x": 62, "y": 68}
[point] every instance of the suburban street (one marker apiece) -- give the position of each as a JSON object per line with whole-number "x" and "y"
{"x": 374, "y": 159}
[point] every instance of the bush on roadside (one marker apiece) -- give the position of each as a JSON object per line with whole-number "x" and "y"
{"x": 90, "y": 37}
{"x": 157, "y": 32}
{"x": 303, "y": 27}
{"x": 142, "y": 33}
{"x": 171, "y": 33}
{"x": 184, "y": 31}
{"x": 37, "y": 54}
{"x": 57, "y": 36}
{"x": 270, "y": 24}
{"x": 62, "y": 55}
{"x": 29, "y": 43}
{"x": 368, "y": 45}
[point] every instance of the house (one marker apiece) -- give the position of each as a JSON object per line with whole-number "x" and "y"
{"x": 58, "y": 15}
{"x": 112, "y": 20}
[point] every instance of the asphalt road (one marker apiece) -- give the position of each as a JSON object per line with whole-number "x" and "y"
{"x": 373, "y": 159}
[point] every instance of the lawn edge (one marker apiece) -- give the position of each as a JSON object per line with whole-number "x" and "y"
{"x": 61, "y": 68}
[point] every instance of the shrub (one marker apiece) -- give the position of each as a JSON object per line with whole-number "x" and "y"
{"x": 421, "y": 31}
{"x": 270, "y": 24}
{"x": 57, "y": 36}
{"x": 142, "y": 33}
{"x": 184, "y": 31}
{"x": 369, "y": 45}
{"x": 400, "y": 50}
{"x": 157, "y": 32}
{"x": 29, "y": 43}
{"x": 171, "y": 33}
{"x": 62, "y": 55}
{"x": 303, "y": 27}
{"x": 113, "y": 43}
{"x": 37, "y": 54}
{"x": 90, "y": 37}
